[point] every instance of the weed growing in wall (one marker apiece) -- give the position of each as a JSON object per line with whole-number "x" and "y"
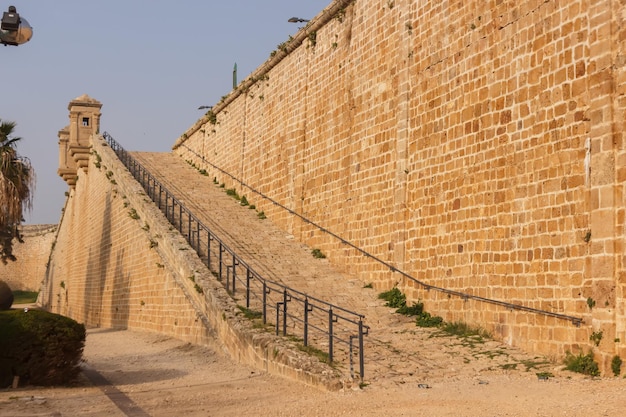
{"x": 596, "y": 337}
{"x": 97, "y": 160}
{"x": 133, "y": 214}
{"x": 616, "y": 365}
{"x": 340, "y": 15}
{"x": 211, "y": 117}
{"x": 317, "y": 253}
{"x": 591, "y": 303}
{"x": 313, "y": 39}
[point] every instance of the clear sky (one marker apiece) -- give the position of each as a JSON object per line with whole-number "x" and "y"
{"x": 151, "y": 63}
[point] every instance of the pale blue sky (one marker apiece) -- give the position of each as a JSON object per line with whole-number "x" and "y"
{"x": 150, "y": 62}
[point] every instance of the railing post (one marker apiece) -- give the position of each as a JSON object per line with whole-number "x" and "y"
{"x": 306, "y": 321}
{"x": 361, "y": 353}
{"x": 208, "y": 250}
{"x": 248, "y": 277}
{"x": 234, "y": 266}
{"x": 264, "y": 302}
{"x": 278, "y": 316}
{"x": 188, "y": 226}
{"x": 180, "y": 217}
{"x": 198, "y": 237}
{"x": 219, "y": 276}
{"x": 331, "y": 319}
{"x": 285, "y": 299}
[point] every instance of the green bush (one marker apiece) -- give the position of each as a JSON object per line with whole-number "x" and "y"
{"x": 396, "y": 299}
{"x": 393, "y": 297}
{"x": 583, "y": 364}
{"x": 41, "y": 348}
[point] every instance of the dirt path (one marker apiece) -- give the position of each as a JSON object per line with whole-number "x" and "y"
{"x": 150, "y": 375}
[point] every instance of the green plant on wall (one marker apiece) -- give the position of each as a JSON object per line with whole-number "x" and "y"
{"x": 313, "y": 39}
{"x": 616, "y": 365}
{"x": 211, "y": 117}
{"x": 133, "y": 214}
{"x": 340, "y": 15}
{"x": 596, "y": 337}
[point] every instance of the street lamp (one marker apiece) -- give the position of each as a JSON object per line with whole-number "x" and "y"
{"x": 14, "y": 29}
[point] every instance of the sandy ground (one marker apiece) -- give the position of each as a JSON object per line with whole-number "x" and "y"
{"x": 140, "y": 374}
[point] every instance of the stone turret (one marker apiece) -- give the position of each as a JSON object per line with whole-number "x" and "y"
{"x": 74, "y": 138}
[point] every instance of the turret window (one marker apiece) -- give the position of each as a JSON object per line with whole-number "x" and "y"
{"x": 86, "y": 121}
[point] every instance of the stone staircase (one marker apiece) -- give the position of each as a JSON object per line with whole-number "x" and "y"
{"x": 396, "y": 350}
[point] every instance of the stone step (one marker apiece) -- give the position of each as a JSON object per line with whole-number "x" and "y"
{"x": 396, "y": 350}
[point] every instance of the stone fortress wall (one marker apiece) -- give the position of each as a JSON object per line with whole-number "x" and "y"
{"x": 29, "y": 272}
{"x": 117, "y": 263}
{"x": 473, "y": 146}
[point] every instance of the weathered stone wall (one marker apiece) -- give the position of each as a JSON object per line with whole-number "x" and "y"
{"x": 475, "y": 146}
{"x": 118, "y": 263}
{"x": 32, "y": 255}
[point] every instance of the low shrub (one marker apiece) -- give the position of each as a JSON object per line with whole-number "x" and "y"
{"x": 41, "y": 348}
{"x": 393, "y": 297}
{"x": 583, "y": 364}
{"x": 425, "y": 319}
{"x": 415, "y": 310}
{"x": 396, "y": 299}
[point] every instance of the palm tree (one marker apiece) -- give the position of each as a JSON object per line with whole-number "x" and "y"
{"x": 17, "y": 180}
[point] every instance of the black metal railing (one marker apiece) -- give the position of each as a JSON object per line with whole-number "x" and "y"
{"x": 321, "y": 326}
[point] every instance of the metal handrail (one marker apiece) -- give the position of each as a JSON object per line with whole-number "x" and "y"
{"x": 303, "y": 314}
{"x": 577, "y": 321}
